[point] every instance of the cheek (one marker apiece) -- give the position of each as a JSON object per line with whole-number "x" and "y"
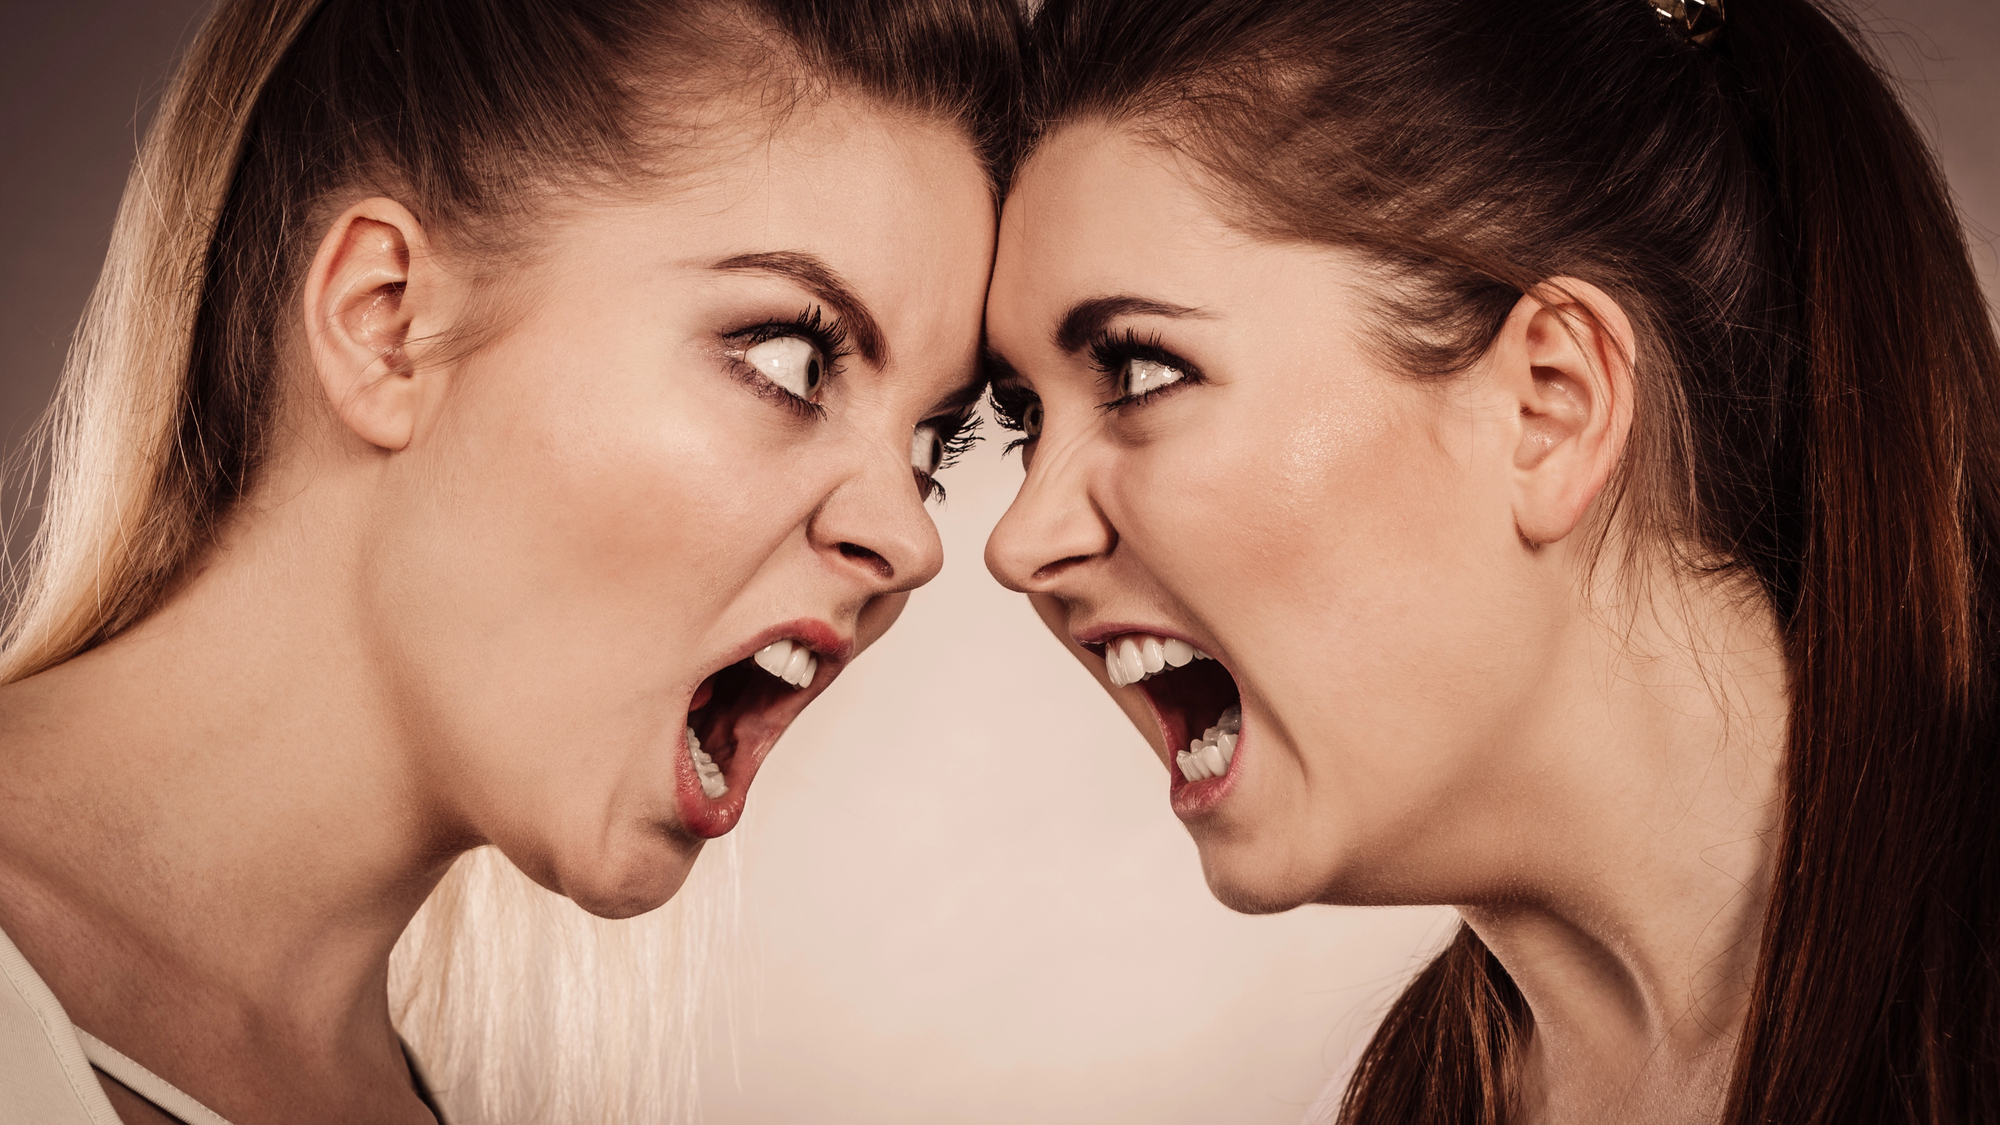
{"x": 1338, "y": 541}
{"x": 628, "y": 489}
{"x": 561, "y": 559}
{"x": 1300, "y": 507}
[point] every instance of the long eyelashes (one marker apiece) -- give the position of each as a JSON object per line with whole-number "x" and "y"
{"x": 1018, "y": 410}
{"x": 956, "y": 436}
{"x": 1120, "y": 359}
{"x": 828, "y": 338}
{"x": 1114, "y": 354}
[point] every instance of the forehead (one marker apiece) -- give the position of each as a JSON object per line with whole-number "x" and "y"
{"x": 901, "y": 200}
{"x": 896, "y": 204}
{"x": 1098, "y": 211}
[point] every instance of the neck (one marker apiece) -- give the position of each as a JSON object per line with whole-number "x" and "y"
{"x": 220, "y": 809}
{"x": 1636, "y": 942}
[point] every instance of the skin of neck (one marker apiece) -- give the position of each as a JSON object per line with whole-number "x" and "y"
{"x": 217, "y": 824}
{"x": 1660, "y": 737}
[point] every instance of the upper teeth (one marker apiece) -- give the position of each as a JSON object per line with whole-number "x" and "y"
{"x": 705, "y": 768}
{"x": 1210, "y": 755}
{"x": 790, "y": 661}
{"x": 1134, "y": 656}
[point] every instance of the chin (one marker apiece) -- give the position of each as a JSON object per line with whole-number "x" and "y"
{"x": 1251, "y": 880}
{"x": 1264, "y": 872}
{"x": 631, "y": 881}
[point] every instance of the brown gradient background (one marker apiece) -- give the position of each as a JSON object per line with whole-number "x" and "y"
{"x": 965, "y": 897}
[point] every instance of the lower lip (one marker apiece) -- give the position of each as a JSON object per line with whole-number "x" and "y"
{"x": 1194, "y": 800}
{"x": 705, "y": 817}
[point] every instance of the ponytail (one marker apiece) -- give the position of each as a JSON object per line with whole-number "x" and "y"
{"x": 1465, "y": 1021}
{"x": 1878, "y": 996}
{"x": 113, "y": 529}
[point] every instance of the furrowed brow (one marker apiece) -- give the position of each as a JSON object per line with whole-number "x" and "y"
{"x": 821, "y": 280}
{"x": 1087, "y": 318}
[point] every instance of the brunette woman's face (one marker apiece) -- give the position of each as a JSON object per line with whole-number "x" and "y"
{"x": 1218, "y": 466}
{"x": 680, "y": 487}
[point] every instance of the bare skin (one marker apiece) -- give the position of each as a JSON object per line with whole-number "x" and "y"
{"x": 477, "y": 593}
{"x": 1443, "y": 700}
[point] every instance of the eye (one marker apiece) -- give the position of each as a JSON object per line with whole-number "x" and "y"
{"x": 1137, "y": 375}
{"x": 1136, "y": 368}
{"x": 1031, "y": 420}
{"x": 789, "y": 361}
{"x": 926, "y": 450}
{"x": 1018, "y": 410}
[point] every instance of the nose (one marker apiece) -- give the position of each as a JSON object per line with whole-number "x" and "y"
{"x": 1052, "y": 527}
{"x": 873, "y": 525}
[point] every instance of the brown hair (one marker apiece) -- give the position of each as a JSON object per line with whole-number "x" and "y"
{"x": 1816, "y": 417}
{"x": 472, "y": 113}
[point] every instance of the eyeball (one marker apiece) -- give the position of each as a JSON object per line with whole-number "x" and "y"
{"x": 1031, "y": 419}
{"x": 1142, "y": 375}
{"x": 790, "y": 362}
{"x": 926, "y": 450}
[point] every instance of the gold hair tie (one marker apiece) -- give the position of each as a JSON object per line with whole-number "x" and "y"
{"x": 1701, "y": 19}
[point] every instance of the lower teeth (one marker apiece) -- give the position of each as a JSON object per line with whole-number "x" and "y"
{"x": 705, "y": 768}
{"x": 1210, "y": 755}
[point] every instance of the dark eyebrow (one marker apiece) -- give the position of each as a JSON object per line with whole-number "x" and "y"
{"x": 1086, "y": 319}
{"x": 819, "y": 279}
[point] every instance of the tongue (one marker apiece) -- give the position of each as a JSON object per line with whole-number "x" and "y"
{"x": 701, "y": 694}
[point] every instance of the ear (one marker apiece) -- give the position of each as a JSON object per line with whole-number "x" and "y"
{"x": 1564, "y": 359}
{"x": 368, "y": 286}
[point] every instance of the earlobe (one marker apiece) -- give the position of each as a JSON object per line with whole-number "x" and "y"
{"x": 360, "y": 306}
{"x": 1564, "y": 358}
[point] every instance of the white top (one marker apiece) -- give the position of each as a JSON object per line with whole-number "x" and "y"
{"x": 45, "y": 1076}
{"x": 46, "y": 1061}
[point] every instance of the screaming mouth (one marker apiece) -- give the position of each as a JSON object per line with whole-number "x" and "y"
{"x": 1190, "y": 691}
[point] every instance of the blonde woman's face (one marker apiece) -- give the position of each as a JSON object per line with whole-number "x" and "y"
{"x": 1219, "y": 467}
{"x": 681, "y": 488}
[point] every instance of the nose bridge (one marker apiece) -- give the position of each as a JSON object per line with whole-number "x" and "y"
{"x": 873, "y": 523}
{"x": 1053, "y": 520}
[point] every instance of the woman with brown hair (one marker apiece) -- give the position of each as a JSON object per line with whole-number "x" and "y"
{"x": 496, "y": 421}
{"x": 1538, "y": 458}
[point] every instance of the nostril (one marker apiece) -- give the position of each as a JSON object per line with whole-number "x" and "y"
{"x": 867, "y": 558}
{"x": 1056, "y": 568}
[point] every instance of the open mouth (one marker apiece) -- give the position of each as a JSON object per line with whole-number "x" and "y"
{"x": 1193, "y": 697}
{"x": 735, "y": 717}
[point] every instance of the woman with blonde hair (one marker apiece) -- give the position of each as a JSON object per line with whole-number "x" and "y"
{"x": 496, "y": 421}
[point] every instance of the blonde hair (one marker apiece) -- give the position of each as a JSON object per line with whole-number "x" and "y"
{"x": 609, "y": 1029}
{"x": 112, "y": 534}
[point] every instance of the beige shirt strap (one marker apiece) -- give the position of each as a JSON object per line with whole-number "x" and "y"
{"x": 144, "y": 1082}
{"x": 44, "y": 1077}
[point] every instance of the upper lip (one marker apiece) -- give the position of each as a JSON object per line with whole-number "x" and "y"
{"x": 1097, "y": 636}
{"x": 826, "y": 642}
